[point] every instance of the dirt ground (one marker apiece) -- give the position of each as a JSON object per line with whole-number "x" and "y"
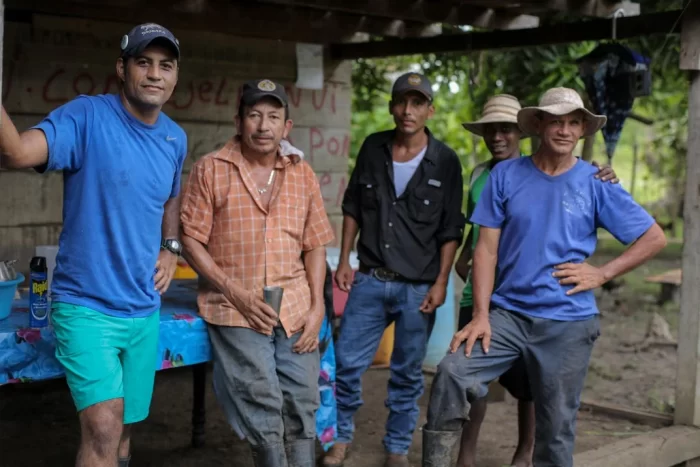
{"x": 38, "y": 426}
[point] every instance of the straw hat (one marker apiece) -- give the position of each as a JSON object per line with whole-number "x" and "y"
{"x": 501, "y": 108}
{"x": 559, "y": 101}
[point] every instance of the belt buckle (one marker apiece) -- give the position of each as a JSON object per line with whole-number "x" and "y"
{"x": 384, "y": 274}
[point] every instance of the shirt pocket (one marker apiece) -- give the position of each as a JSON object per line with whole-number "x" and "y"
{"x": 290, "y": 215}
{"x": 425, "y": 204}
{"x": 369, "y": 194}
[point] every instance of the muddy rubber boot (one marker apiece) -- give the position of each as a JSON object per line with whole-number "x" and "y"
{"x": 301, "y": 453}
{"x": 437, "y": 447}
{"x": 272, "y": 455}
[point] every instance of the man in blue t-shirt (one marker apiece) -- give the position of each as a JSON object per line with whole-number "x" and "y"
{"x": 538, "y": 219}
{"x": 121, "y": 159}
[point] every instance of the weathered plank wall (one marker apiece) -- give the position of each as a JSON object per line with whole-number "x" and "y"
{"x": 51, "y": 60}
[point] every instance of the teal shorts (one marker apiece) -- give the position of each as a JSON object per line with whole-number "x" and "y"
{"x": 106, "y": 357}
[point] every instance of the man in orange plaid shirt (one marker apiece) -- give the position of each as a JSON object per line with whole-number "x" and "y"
{"x": 253, "y": 216}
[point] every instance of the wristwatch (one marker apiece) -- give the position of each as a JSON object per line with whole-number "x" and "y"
{"x": 172, "y": 245}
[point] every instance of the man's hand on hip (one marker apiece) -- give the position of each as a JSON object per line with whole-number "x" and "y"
{"x": 582, "y": 275}
{"x": 434, "y": 298}
{"x": 165, "y": 270}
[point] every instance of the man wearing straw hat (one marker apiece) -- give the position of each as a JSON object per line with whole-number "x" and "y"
{"x": 538, "y": 219}
{"x": 498, "y": 126}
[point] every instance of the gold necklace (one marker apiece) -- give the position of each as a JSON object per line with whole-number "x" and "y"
{"x": 262, "y": 191}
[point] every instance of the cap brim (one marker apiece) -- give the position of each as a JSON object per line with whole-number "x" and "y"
{"x": 253, "y": 99}
{"x": 528, "y": 121}
{"x": 160, "y": 39}
{"x": 419, "y": 91}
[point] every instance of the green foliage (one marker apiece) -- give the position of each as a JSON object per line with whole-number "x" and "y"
{"x": 464, "y": 82}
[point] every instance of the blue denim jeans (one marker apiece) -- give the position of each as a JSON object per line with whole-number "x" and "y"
{"x": 556, "y": 355}
{"x": 372, "y": 306}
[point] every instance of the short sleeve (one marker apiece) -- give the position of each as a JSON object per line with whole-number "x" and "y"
{"x": 196, "y": 210}
{"x": 317, "y": 229}
{"x": 177, "y": 180}
{"x": 490, "y": 209}
{"x": 618, "y": 213}
{"x": 67, "y": 134}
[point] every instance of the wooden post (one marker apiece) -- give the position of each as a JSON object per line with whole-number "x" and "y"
{"x": 688, "y": 371}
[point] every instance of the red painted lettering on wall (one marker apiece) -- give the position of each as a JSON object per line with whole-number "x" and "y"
{"x": 45, "y": 91}
{"x": 204, "y": 89}
{"x": 324, "y": 181}
{"x": 220, "y": 93}
{"x": 342, "y": 184}
{"x": 336, "y": 146}
{"x": 62, "y": 85}
{"x": 83, "y": 84}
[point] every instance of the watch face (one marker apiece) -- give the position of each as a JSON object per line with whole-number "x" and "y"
{"x": 175, "y": 244}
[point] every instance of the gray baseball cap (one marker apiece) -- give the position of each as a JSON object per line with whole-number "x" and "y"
{"x": 412, "y": 82}
{"x": 141, "y": 36}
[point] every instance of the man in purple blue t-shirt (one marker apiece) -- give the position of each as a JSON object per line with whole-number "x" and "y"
{"x": 538, "y": 219}
{"x": 121, "y": 158}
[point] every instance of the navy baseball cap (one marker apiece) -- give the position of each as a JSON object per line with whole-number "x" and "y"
{"x": 255, "y": 90}
{"x": 412, "y": 82}
{"x": 143, "y": 35}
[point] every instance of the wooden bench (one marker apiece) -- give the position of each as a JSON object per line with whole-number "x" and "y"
{"x": 670, "y": 285}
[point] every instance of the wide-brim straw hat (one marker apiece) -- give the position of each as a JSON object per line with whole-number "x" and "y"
{"x": 502, "y": 108}
{"x": 559, "y": 101}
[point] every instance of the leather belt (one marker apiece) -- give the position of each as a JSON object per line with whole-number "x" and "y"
{"x": 382, "y": 274}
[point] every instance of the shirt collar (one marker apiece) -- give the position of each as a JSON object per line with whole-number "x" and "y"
{"x": 430, "y": 151}
{"x": 231, "y": 152}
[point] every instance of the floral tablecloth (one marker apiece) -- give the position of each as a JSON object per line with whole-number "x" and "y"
{"x": 27, "y": 354}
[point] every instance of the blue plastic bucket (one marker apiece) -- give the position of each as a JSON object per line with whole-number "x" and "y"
{"x": 7, "y": 295}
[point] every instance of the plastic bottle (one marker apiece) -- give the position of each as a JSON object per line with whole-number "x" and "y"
{"x": 38, "y": 293}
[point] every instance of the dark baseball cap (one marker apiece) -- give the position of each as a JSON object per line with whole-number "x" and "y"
{"x": 255, "y": 90}
{"x": 143, "y": 35}
{"x": 412, "y": 82}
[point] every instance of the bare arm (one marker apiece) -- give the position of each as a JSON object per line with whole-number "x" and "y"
{"x": 171, "y": 218}
{"x": 484, "y": 270}
{"x": 167, "y": 261}
{"x": 315, "y": 265}
{"x": 465, "y": 256}
{"x": 350, "y": 230}
{"x": 645, "y": 248}
{"x": 24, "y": 151}
{"x": 448, "y": 250}
{"x": 201, "y": 261}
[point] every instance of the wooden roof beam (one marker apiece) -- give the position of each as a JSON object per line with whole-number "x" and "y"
{"x": 247, "y": 20}
{"x": 594, "y": 8}
{"x": 406, "y": 10}
{"x": 594, "y": 29}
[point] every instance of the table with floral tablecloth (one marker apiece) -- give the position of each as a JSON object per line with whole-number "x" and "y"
{"x": 28, "y": 354}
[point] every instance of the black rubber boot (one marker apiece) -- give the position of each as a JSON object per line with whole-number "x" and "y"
{"x": 301, "y": 453}
{"x": 271, "y": 455}
{"x": 438, "y": 447}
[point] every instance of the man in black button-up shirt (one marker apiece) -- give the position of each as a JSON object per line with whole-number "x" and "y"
{"x": 405, "y": 200}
